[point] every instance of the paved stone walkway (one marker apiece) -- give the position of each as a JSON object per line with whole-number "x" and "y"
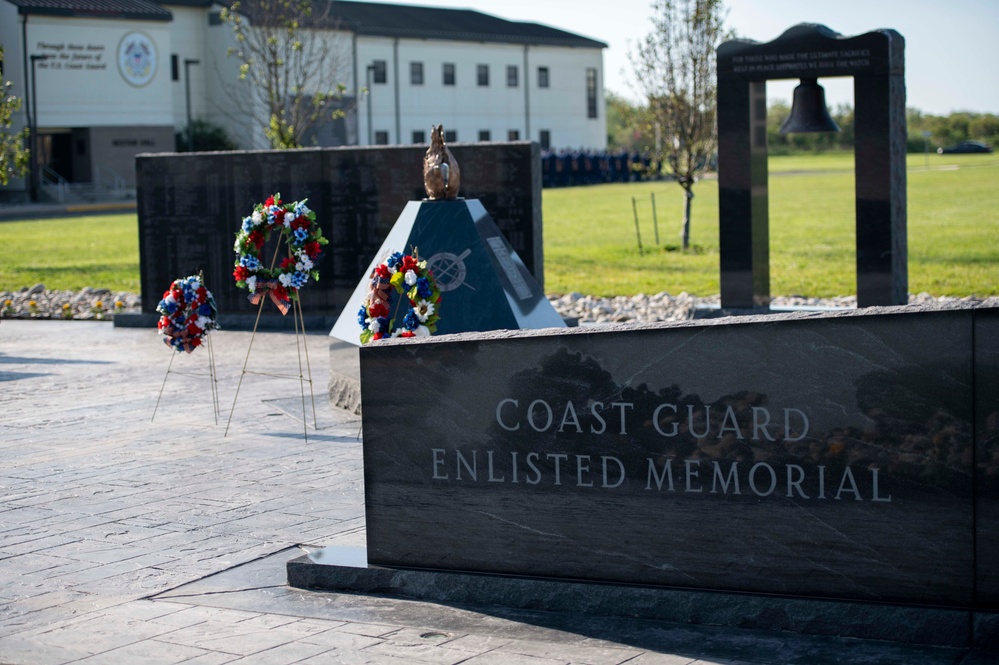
{"x": 125, "y": 540}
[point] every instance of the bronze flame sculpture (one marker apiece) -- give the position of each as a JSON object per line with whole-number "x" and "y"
{"x": 441, "y": 175}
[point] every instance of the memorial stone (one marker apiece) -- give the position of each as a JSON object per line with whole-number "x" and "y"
{"x": 818, "y": 457}
{"x": 484, "y": 285}
{"x": 842, "y": 456}
{"x": 191, "y": 205}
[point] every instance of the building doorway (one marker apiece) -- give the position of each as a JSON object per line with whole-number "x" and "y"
{"x": 55, "y": 154}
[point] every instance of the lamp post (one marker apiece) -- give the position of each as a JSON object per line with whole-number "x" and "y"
{"x": 371, "y": 68}
{"x": 187, "y": 94}
{"x": 34, "y": 129}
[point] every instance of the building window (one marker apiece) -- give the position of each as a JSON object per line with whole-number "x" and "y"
{"x": 482, "y": 75}
{"x": 483, "y": 134}
{"x": 545, "y": 138}
{"x": 416, "y": 73}
{"x": 511, "y": 76}
{"x": 174, "y": 67}
{"x": 513, "y": 135}
{"x": 419, "y": 136}
{"x": 448, "y": 73}
{"x": 379, "y": 71}
{"x": 450, "y": 136}
{"x": 542, "y": 77}
{"x": 381, "y": 138}
{"x": 591, "y": 92}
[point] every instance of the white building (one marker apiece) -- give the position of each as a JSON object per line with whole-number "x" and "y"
{"x": 103, "y": 80}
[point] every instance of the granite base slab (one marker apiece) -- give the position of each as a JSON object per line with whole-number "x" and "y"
{"x": 314, "y": 323}
{"x": 345, "y": 569}
{"x": 345, "y": 376}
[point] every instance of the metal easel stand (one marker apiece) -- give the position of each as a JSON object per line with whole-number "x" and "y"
{"x": 213, "y": 376}
{"x": 302, "y": 376}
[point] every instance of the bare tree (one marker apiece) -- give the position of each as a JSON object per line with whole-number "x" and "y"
{"x": 675, "y": 70}
{"x": 290, "y": 58}
{"x": 13, "y": 155}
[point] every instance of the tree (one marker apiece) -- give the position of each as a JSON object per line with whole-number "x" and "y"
{"x": 290, "y": 56}
{"x": 622, "y": 133}
{"x": 675, "y": 72}
{"x": 985, "y": 128}
{"x": 13, "y": 156}
{"x": 203, "y": 136}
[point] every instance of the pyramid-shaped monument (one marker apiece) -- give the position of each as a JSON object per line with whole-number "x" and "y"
{"x": 484, "y": 285}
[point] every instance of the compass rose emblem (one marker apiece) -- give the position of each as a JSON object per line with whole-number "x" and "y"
{"x": 449, "y": 270}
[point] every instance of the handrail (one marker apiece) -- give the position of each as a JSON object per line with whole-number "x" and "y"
{"x": 52, "y": 181}
{"x": 109, "y": 179}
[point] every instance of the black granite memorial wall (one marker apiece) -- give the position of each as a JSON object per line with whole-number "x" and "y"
{"x": 191, "y": 205}
{"x": 842, "y": 456}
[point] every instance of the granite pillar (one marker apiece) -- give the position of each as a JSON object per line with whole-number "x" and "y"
{"x": 743, "y": 217}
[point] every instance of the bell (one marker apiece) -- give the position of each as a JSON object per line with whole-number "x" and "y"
{"x": 808, "y": 110}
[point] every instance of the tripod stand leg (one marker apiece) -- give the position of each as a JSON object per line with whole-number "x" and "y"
{"x": 243, "y": 372}
{"x": 163, "y": 385}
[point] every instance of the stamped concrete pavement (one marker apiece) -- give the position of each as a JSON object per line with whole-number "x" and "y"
{"x": 128, "y": 539}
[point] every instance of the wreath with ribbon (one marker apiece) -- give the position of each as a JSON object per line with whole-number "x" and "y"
{"x": 188, "y": 314}
{"x": 304, "y": 239}
{"x": 406, "y": 275}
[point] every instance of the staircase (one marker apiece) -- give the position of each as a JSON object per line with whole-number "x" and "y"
{"x": 106, "y": 186}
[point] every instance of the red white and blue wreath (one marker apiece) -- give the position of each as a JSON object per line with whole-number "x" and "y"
{"x": 188, "y": 314}
{"x": 408, "y": 276}
{"x": 297, "y": 226}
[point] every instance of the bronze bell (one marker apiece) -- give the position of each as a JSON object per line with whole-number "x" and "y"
{"x": 808, "y": 110}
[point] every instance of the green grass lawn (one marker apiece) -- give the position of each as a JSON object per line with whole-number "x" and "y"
{"x": 953, "y": 231}
{"x": 591, "y": 246}
{"x": 71, "y": 253}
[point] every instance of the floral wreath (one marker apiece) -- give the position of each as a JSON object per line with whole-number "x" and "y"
{"x": 407, "y": 275}
{"x": 189, "y": 313}
{"x": 297, "y": 225}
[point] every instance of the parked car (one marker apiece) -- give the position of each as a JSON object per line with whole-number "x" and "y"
{"x": 965, "y": 147}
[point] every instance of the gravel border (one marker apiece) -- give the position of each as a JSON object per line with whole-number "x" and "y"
{"x": 665, "y": 307}
{"x": 102, "y": 304}
{"x": 87, "y": 304}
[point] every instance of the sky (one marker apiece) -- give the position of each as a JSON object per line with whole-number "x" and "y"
{"x": 951, "y": 46}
